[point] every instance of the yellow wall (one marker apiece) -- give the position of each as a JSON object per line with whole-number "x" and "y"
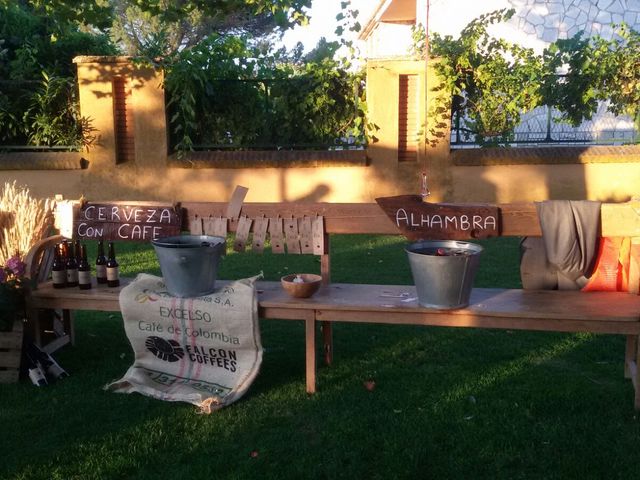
{"x": 520, "y": 183}
{"x": 382, "y": 102}
{"x": 150, "y": 178}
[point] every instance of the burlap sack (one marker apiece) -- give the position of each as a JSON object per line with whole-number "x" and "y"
{"x": 204, "y": 350}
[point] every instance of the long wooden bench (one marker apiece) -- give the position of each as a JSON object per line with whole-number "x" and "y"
{"x": 562, "y": 311}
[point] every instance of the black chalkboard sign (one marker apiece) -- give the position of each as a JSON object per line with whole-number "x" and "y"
{"x": 131, "y": 221}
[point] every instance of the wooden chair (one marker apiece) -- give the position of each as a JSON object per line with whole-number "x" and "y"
{"x": 58, "y": 322}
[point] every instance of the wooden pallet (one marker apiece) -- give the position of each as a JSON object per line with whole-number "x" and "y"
{"x": 11, "y": 353}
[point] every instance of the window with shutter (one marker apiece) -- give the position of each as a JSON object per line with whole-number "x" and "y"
{"x": 123, "y": 118}
{"x": 408, "y": 118}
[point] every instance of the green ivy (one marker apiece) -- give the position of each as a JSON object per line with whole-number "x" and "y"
{"x": 38, "y": 88}
{"x": 596, "y": 70}
{"x": 233, "y": 91}
{"x": 53, "y": 117}
{"x": 493, "y": 82}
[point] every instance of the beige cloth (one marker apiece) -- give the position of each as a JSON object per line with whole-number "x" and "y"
{"x": 536, "y": 273}
{"x": 204, "y": 350}
{"x": 564, "y": 256}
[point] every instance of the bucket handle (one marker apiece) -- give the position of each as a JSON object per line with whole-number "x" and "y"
{"x": 464, "y": 277}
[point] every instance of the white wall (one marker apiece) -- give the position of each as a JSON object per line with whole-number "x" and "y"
{"x": 536, "y": 23}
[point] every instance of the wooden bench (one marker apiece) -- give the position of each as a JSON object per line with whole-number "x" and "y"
{"x": 561, "y": 311}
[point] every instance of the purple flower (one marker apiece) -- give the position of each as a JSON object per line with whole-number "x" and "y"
{"x": 16, "y": 265}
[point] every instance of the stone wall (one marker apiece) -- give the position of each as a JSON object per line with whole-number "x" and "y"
{"x": 553, "y": 19}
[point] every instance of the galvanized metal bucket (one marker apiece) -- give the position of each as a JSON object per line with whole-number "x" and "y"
{"x": 189, "y": 263}
{"x": 444, "y": 279}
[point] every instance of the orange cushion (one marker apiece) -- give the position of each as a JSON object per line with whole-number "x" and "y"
{"x": 607, "y": 276}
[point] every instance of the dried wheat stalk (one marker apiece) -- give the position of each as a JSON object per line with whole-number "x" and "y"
{"x": 24, "y": 221}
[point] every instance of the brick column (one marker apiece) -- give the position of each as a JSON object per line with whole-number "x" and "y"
{"x": 383, "y": 102}
{"x": 102, "y": 82}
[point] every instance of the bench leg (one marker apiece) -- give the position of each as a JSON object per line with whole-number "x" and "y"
{"x": 69, "y": 327}
{"x": 310, "y": 343}
{"x": 39, "y": 320}
{"x": 327, "y": 340}
{"x": 60, "y": 322}
{"x": 632, "y": 360}
{"x": 34, "y": 328}
{"x": 630, "y": 354}
{"x": 326, "y": 327}
{"x": 635, "y": 377}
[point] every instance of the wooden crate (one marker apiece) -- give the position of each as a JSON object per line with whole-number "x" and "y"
{"x": 11, "y": 353}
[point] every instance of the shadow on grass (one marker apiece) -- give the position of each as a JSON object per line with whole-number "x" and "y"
{"x": 444, "y": 398}
{"x": 448, "y": 403}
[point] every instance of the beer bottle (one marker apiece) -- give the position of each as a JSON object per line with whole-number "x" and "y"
{"x": 58, "y": 268}
{"x": 113, "y": 275}
{"x": 72, "y": 267}
{"x": 77, "y": 248}
{"x": 35, "y": 369}
{"x": 46, "y": 362}
{"x": 101, "y": 264}
{"x": 84, "y": 270}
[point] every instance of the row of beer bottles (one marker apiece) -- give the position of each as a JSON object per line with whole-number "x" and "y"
{"x": 71, "y": 268}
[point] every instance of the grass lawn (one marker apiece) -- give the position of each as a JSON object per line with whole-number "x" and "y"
{"x": 448, "y": 403}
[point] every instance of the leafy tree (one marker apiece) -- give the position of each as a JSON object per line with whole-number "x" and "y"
{"x": 33, "y": 43}
{"x": 323, "y": 50}
{"x": 34, "y": 47}
{"x": 596, "y": 70}
{"x": 98, "y": 13}
{"x": 225, "y": 83}
{"x": 53, "y": 116}
{"x": 229, "y": 91}
{"x": 143, "y": 29}
{"x": 286, "y": 12}
{"x": 621, "y": 73}
{"x": 59, "y": 14}
{"x": 153, "y": 27}
{"x": 239, "y": 91}
{"x": 492, "y": 81}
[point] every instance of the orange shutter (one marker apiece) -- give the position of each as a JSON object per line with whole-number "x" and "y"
{"x": 408, "y": 118}
{"x": 123, "y": 118}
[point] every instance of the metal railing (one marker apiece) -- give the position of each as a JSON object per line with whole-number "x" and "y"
{"x": 338, "y": 144}
{"x": 542, "y": 126}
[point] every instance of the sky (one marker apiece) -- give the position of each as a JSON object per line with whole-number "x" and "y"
{"x": 323, "y": 22}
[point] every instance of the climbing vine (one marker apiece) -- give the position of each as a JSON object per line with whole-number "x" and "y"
{"x": 596, "y": 70}
{"x": 38, "y": 87}
{"x": 493, "y": 82}
{"x": 238, "y": 93}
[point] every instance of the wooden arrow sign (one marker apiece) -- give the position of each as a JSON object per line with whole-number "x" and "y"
{"x": 419, "y": 220}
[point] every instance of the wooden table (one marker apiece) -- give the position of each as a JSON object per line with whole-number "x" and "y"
{"x": 561, "y": 311}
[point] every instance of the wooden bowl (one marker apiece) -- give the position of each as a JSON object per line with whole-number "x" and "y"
{"x": 305, "y": 289}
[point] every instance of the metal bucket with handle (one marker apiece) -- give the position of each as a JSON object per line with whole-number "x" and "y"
{"x": 189, "y": 263}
